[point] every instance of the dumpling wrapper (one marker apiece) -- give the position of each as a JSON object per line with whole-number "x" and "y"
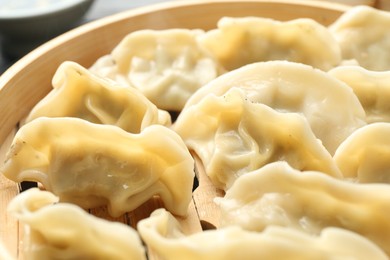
{"x": 371, "y": 87}
{"x": 241, "y": 41}
{"x": 167, "y": 66}
{"x": 363, "y": 35}
{"x": 365, "y": 155}
{"x": 309, "y": 201}
{"x": 161, "y": 233}
{"x": 64, "y": 231}
{"x": 233, "y": 136}
{"x": 79, "y": 93}
{"x": 93, "y": 165}
{"x": 330, "y": 106}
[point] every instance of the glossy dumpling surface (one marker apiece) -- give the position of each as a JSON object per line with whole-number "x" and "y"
{"x": 60, "y": 229}
{"x": 363, "y": 35}
{"x": 161, "y": 233}
{"x": 309, "y": 201}
{"x": 167, "y": 66}
{"x": 365, "y": 155}
{"x": 241, "y": 41}
{"x": 78, "y": 93}
{"x": 330, "y": 106}
{"x": 371, "y": 87}
{"x": 91, "y": 164}
{"x": 233, "y": 136}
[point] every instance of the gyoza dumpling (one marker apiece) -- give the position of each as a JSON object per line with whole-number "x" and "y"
{"x": 240, "y": 41}
{"x": 371, "y": 87}
{"x": 309, "y": 201}
{"x": 161, "y": 233}
{"x": 365, "y": 155}
{"x": 233, "y": 136}
{"x": 330, "y": 106}
{"x": 64, "y": 231}
{"x": 78, "y": 93}
{"x": 167, "y": 66}
{"x": 91, "y": 164}
{"x": 362, "y": 33}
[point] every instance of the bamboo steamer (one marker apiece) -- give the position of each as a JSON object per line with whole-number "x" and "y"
{"x": 29, "y": 80}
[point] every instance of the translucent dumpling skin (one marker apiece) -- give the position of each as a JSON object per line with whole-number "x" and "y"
{"x": 363, "y": 35}
{"x": 233, "y": 136}
{"x": 64, "y": 231}
{"x": 91, "y": 164}
{"x": 167, "y": 66}
{"x": 244, "y": 40}
{"x": 79, "y": 93}
{"x": 365, "y": 155}
{"x": 161, "y": 232}
{"x": 329, "y": 105}
{"x": 371, "y": 87}
{"x": 309, "y": 201}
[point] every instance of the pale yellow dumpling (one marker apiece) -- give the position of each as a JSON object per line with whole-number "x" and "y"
{"x": 308, "y": 201}
{"x": 93, "y": 165}
{"x": 330, "y": 106}
{"x": 365, "y": 155}
{"x": 239, "y": 41}
{"x": 161, "y": 233}
{"x": 233, "y": 135}
{"x": 363, "y": 35}
{"x": 79, "y": 93}
{"x": 167, "y": 66}
{"x": 53, "y": 229}
{"x": 371, "y": 87}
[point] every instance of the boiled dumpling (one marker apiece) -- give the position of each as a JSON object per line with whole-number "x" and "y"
{"x": 365, "y": 155}
{"x": 64, "y": 231}
{"x": 240, "y": 41}
{"x": 363, "y": 35}
{"x": 161, "y": 233}
{"x": 309, "y": 201}
{"x": 167, "y": 66}
{"x": 371, "y": 87}
{"x": 330, "y": 106}
{"x": 233, "y": 136}
{"x": 91, "y": 164}
{"x": 79, "y": 93}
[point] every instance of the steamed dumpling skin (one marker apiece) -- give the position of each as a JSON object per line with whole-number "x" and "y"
{"x": 64, "y": 231}
{"x": 79, "y": 93}
{"x": 233, "y": 136}
{"x": 309, "y": 201}
{"x": 161, "y": 233}
{"x": 371, "y": 87}
{"x": 330, "y": 106}
{"x": 167, "y": 66}
{"x": 241, "y": 41}
{"x": 365, "y": 155}
{"x": 92, "y": 165}
{"x": 363, "y": 35}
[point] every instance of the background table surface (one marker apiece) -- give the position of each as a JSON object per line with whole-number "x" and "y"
{"x": 99, "y": 9}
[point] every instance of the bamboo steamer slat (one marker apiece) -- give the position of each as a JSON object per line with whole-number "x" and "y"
{"x": 29, "y": 80}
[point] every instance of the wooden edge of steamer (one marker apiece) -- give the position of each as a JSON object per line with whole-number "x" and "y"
{"x": 10, "y": 232}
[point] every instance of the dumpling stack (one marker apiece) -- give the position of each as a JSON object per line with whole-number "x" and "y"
{"x": 290, "y": 121}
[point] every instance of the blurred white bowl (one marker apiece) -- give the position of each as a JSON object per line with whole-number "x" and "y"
{"x": 25, "y": 24}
